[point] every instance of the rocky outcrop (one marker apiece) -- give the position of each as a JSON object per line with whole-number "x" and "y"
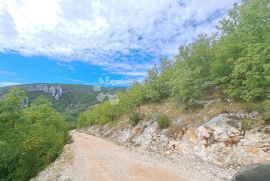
{"x": 222, "y": 140}
{"x": 25, "y": 102}
{"x": 55, "y": 90}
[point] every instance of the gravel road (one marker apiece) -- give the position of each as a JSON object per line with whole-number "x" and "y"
{"x": 99, "y": 159}
{"x": 92, "y": 158}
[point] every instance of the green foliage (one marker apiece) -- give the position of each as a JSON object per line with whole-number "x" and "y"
{"x": 164, "y": 122}
{"x": 187, "y": 85}
{"x": 101, "y": 114}
{"x": 135, "y": 118}
{"x": 235, "y": 61}
{"x": 250, "y": 75}
{"x": 107, "y": 112}
{"x": 246, "y": 124}
{"x": 71, "y": 118}
{"x": 266, "y": 111}
{"x": 74, "y": 97}
{"x": 244, "y": 50}
{"x": 36, "y": 139}
{"x": 157, "y": 84}
{"x": 191, "y": 71}
{"x": 10, "y": 107}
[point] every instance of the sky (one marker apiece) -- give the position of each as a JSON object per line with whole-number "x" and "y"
{"x": 105, "y": 42}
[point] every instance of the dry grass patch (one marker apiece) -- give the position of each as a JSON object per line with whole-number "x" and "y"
{"x": 190, "y": 117}
{"x": 175, "y": 131}
{"x": 165, "y": 108}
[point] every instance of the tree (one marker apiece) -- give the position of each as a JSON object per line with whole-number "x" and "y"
{"x": 242, "y": 54}
{"x": 157, "y": 83}
{"x": 11, "y": 105}
{"x": 42, "y": 112}
{"x": 250, "y": 75}
{"x": 192, "y": 70}
{"x": 187, "y": 84}
{"x": 38, "y": 138}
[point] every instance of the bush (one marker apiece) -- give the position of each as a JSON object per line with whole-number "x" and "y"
{"x": 164, "y": 122}
{"x": 135, "y": 118}
{"x": 266, "y": 112}
{"x": 246, "y": 124}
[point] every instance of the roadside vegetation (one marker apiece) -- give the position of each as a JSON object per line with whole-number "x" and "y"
{"x": 234, "y": 63}
{"x": 30, "y": 138}
{"x": 164, "y": 122}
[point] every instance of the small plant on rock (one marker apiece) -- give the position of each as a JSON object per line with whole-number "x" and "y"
{"x": 164, "y": 122}
{"x": 266, "y": 112}
{"x": 246, "y": 124}
{"x": 135, "y": 118}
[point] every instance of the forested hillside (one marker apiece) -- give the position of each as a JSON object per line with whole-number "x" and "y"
{"x": 65, "y": 97}
{"x": 34, "y": 124}
{"x": 30, "y": 138}
{"x": 233, "y": 63}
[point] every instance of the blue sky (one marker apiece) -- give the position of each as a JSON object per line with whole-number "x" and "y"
{"x": 16, "y": 69}
{"x": 82, "y": 42}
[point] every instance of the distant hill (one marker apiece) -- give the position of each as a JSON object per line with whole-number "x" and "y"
{"x": 66, "y": 96}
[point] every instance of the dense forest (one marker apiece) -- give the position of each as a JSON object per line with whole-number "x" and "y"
{"x": 30, "y": 138}
{"x": 233, "y": 62}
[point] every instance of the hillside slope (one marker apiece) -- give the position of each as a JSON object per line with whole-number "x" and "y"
{"x": 65, "y": 96}
{"x": 222, "y": 134}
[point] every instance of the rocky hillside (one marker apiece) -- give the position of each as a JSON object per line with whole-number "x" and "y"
{"x": 228, "y": 135}
{"x": 65, "y": 96}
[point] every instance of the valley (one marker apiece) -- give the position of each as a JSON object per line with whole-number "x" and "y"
{"x": 65, "y": 97}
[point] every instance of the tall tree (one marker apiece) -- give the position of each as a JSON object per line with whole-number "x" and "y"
{"x": 11, "y": 105}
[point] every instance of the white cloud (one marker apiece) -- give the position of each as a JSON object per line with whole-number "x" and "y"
{"x": 4, "y": 84}
{"x": 100, "y": 32}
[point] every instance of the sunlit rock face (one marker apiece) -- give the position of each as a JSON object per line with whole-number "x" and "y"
{"x": 223, "y": 141}
{"x": 25, "y": 102}
{"x": 220, "y": 140}
{"x": 55, "y": 90}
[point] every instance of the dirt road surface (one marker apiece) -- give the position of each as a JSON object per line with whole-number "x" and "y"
{"x": 90, "y": 158}
{"x": 99, "y": 159}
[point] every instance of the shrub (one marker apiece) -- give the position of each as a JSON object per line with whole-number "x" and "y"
{"x": 134, "y": 118}
{"x": 164, "y": 122}
{"x": 246, "y": 124}
{"x": 266, "y": 112}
